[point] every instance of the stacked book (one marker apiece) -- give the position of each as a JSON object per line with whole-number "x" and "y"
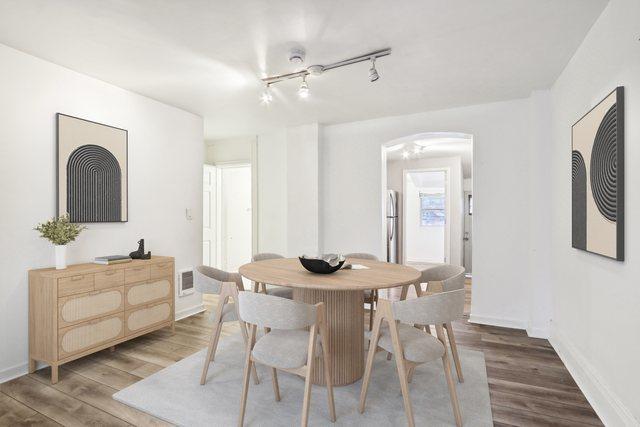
{"x": 111, "y": 259}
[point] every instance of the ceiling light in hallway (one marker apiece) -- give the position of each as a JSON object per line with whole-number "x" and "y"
{"x": 303, "y": 92}
{"x": 373, "y": 73}
{"x": 266, "y": 96}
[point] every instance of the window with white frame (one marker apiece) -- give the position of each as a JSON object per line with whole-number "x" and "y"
{"x": 432, "y": 210}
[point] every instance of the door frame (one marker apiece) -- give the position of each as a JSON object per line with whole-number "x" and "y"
{"x": 447, "y": 210}
{"x": 213, "y": 210}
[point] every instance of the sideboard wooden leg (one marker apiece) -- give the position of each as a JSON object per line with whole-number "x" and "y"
{"x": 54, "y": 374}
{"x": 32, "y": 365}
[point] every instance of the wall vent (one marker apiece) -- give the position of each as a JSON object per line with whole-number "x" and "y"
{"x": 185, "y": 282}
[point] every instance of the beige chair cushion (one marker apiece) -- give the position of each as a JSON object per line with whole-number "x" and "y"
{"x": 280, "y": 291}
{"x": 418, "y": 346}
{"x": 284, "y": 349}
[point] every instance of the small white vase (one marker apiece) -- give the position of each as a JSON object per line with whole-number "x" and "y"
{"x": 61, "y": 256}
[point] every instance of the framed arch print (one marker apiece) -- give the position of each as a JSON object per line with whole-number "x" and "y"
{"x": 597, "y": 178}
{"x": 92, "y": 170}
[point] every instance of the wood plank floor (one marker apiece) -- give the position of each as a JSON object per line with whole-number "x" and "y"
{"x": 528, "y": 383}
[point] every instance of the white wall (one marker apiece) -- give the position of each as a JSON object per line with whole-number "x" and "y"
{"x": 165, "y": 178}
{"x": 229, "y": 150}
{"x": 272, "y": 192}
{"x": 453, "y": 164}
{"x": 351, "y": 203}
{"x": 595, "y": 316}
{"x": 303, "y": 226}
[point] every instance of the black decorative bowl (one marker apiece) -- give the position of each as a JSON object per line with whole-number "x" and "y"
{"x": 320, "y": 266}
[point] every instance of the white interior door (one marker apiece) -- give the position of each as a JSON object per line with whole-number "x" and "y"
{"x": 468, "y": 231}
{"x": 209, "y": 211}
{"x": 426, "y": 221}
{"x": 236, "y": 216}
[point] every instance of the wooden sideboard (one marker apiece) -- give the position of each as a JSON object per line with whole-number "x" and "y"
{"x": 89, "y": 307}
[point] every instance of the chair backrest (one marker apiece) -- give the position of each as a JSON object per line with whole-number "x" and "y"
{"x": 208, "y": 280}
{"x": 451, "y": 276}
{"x": 269, "y": 311}
{"x": 265, "y": 255}
{"x": 361, "y": 255}
{"x": 433, "y": 309}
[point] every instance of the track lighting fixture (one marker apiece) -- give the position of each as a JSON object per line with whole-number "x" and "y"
{"x": 266, "y": 96}
{"x": 303, "y": 92}
{"x": 296, "y": 56}
{"x": 373, "y": 73}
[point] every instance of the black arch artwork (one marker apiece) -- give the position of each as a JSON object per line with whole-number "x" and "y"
{"x": 604, "y": 166}
{"x": 578, "y": 201}
{"x": 597, "y": 178}
{"x": 94, "y": 185}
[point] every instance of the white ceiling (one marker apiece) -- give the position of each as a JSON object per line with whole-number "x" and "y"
{"x": 434, "y": 146}
{"x": 206, "y": 56}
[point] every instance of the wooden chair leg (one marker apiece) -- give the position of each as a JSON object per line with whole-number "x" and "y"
{"x": 371, "y": 315}
{"x": 404, "y": 292}
{"x": 410, "y": 374}
{"x": 215, "y": 335}
{"x": 213, "y": 344}
{"x": 447, "y": 374}
{"x": 307, "y": 381}
{"x": 274, "y": 380}
{"x": 373, "y": 346}
{"x": 247, "y": 368}
{"x": 454, "y": 351}
{"x": 402, "y": 373}
{"x": 327, "y": 372}
{"x": 254, "y": 372}
{"x": 418, "y": 287}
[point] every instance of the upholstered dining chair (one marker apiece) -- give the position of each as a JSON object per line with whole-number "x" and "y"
{"x": 279, "y": 291}
{"x": 444, "y": 278}
{"x": 413, "y": 346}
{"x": 370, "y": 295}
{"x": 288, "y": 345}
{"x": 209, "y": 280}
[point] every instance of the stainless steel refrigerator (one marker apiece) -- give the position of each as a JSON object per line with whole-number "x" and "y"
{"x": 392, "y": 226}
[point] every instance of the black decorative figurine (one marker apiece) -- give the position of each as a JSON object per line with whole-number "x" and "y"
{"x": 139, "y": 254}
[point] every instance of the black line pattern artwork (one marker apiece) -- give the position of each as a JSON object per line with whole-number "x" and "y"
{"x": 578, "y": 201}
{"x": 597, "y": 178}
{"x": 93, "y": 185}
{"x": 92, "y": 171}
{"x": 604, "y": 166}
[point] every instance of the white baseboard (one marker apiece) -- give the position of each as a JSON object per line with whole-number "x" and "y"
{"x": 536, "y": 332}
{"x": 605, "y": 402}
{"x": 190, "y": 311}
{"x": 497, "y": 321}
{"x": 12, "y": 372}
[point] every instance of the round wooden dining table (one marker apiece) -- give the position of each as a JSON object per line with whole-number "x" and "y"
{"x": 342, "y": 293}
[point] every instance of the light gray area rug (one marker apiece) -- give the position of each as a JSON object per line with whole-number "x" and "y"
{"x": 175, "y": 394}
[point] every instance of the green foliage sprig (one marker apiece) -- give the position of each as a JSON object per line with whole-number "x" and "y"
{"x": 59, "y": 231}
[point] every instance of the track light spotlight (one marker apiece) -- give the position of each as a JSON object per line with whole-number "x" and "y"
{"x": 266, "y": 96}
{"x": 303, "y": 92}
{"x": 296, "y": 56}
{"x": 373, "y": 73}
